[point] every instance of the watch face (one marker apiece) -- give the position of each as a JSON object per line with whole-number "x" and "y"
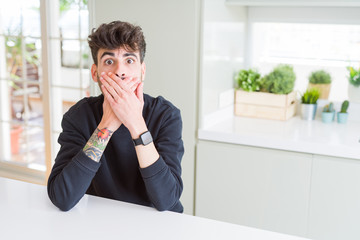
{"x": 146, "y": 138}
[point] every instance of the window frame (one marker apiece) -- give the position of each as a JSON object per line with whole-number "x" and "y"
{"x": 48, "y": 21}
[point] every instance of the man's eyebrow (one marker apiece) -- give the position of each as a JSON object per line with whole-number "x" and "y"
{"x": 107, "y": 53}
{"x": 130, "y": 54}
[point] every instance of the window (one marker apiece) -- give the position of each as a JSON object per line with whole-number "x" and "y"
{"x": 26, "y": 117}
{"x": 70, "y": 59}
{"x": 309, "y": 39}
{"x": 308, "y": 47}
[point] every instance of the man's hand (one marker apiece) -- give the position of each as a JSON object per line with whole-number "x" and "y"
{"x": 109, "y": 119}
{"x": 126, "y": 100}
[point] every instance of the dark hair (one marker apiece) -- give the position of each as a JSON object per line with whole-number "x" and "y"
{"x": 115, "y": 35}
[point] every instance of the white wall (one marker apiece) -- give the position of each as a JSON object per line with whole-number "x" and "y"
{"x": 171, "y": 31}
{"x": 223, "y": 53}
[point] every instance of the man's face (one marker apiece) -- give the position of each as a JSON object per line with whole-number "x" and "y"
{"x": 119, "y": 61}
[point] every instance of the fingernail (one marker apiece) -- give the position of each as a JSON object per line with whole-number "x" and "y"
{"x": 109, "y": 73}
{"x": 103, "y": 73}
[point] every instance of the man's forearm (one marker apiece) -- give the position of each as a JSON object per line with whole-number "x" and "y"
{"x": 96, "y": 145}
{"x": 148, "y": 154}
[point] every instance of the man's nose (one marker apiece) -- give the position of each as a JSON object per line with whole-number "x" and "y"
{"x": 122, "y": 75}
{"x": 120, "y": 70}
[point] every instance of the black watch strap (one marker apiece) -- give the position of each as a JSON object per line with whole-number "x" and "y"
{"x": 137, "y": 141}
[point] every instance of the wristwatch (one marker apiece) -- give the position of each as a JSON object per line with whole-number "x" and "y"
{"x": 144, "y": 139}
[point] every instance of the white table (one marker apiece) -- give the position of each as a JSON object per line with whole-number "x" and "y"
{"x": 27, "y": 213}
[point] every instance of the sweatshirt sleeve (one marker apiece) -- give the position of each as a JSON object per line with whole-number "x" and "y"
{"x": 73, "y": 171}
{"x": 163, "y": 178}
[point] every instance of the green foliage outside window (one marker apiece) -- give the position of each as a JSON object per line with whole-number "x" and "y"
{"x": 66, "y": 4}
{"x": 15, "y": 54}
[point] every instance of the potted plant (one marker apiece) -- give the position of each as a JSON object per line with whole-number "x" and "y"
{"x": 276, "y": 98}
{"x": 280, "y": 81}
{"x": 322, "y": 81}
{"x": 354, "y": 84}
{"x": 248, "y": 80}
{"x": 328, "y": 113}
{"x": 342, "y": 116}
{"x": 309, "y": 104}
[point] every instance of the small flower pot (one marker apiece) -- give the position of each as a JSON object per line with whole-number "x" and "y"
{"x": 342, "y": 117}
{"x": 308, "y": 111}
{"x": 354, "y": 93}
{"x": 327, "y": 117}
{"x": 14, "y": 138}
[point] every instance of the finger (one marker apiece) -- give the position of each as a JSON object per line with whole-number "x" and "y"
{"x": 108, "y": 97}
{"x": 134, "y": 83}
{"x": 126, "y": 79}
{"x": 111, "y": 85}
{"x": 113, "y": 81}
{"x": 110, "y": 89}
{"x": 133, "y": 88}
{"x": 131, "y": 82}
{"x": 140, "y": 92}
{"x": 123, "y": 84}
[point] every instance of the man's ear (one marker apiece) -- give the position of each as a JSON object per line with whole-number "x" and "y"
{"x": 143, "y": 70}
{"x": 94, "y": 72}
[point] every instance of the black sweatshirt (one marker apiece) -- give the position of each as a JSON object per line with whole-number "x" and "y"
{"x": 118, "y": 175}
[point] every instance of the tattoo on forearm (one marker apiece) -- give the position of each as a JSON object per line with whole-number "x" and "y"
{"x": 95, "y": 147}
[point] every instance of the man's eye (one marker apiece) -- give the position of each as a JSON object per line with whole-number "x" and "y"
{"x": 109, "y": 62}
{"x": 130, "y": 61}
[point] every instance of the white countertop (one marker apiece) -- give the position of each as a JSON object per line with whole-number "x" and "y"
{"x": 315, "y": 137}
{"x": 27, "y": 213}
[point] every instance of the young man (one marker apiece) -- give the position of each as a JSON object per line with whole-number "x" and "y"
{"x": 123, "y": 144}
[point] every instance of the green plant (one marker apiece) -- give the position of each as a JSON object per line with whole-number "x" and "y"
{"x": 320, "y": 77}
{"x": 329, "y": 107}
{"x": 354, "y": 76}
{"x": 65, "y": 5}
{"x": 310, "y": 96}
{"x": 248, "y": 80}
{"x": 344, "y": 106}
{"x": 15, "y": 53}
{"x": 21, "y": 58}
{"x": 280, "y": 81}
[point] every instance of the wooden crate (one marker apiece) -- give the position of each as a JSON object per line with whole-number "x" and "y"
{"x": 265, "y": 105}
{"x": 323, "y": 88}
